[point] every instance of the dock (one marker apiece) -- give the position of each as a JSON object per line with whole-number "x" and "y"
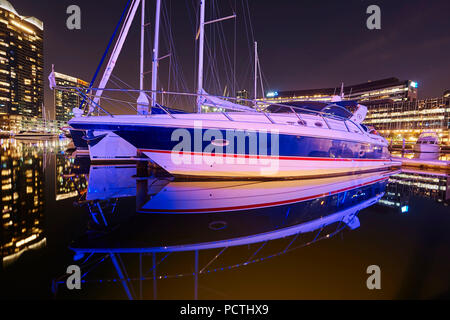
{"x": 441, "y": 165}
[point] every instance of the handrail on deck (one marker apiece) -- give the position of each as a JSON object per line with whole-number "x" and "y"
{"x": 165, "y": 110}
{"x": 293, "y": 109}
{"x": 227, "y": 116}
{"x": 91, "y": 100}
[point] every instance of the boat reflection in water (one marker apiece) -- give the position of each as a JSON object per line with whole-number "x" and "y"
{"x": 214, "y": 223}
{"x": 107, "y": 182}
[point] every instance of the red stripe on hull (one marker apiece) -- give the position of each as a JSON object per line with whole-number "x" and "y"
{"x": 263, "y": 157}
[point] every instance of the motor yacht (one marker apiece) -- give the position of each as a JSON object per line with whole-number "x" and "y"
{"x": 428, "y": 142}
{"x": 296, "y": 140}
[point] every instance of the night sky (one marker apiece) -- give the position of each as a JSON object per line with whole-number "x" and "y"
{"x": 302, "y": 44}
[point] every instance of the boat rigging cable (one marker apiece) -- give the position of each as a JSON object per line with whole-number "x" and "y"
{"x": 176, "y": 78}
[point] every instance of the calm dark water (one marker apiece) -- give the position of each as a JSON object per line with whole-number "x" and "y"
{"x": 249, "y": 240}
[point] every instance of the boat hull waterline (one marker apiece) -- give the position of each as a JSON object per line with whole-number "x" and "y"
{"x": 240, "y": 149}
{"x": 427, "y": 148}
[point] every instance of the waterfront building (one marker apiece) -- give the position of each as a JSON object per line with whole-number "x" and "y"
{"x": 388, "y": 90}
{"x": 21, "y": 67}
{"x": 22, "y": 200}
{"x": 65, "y": 101}
{"x": 393, "y": 107}
{"x": 242, "y": 94}
{"x": 407, "y": 119}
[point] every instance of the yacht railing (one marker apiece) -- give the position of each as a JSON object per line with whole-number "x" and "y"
{"x": 259, "y": 106}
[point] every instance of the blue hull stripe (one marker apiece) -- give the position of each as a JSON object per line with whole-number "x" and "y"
{"x": 160, "y": 138}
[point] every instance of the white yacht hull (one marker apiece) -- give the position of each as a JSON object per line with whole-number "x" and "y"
{"x": 426, "y": 148}
{"x": 318, "y": 147}
{"x": 111, "y": 148}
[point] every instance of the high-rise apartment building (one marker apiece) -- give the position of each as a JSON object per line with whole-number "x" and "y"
{"x": 242, "y": 94}
{"x": 407, "y": 119}
{"x": 66, "y": 100}
{"x": 21, "y": 66}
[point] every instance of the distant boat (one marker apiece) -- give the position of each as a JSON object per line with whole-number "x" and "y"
{"x": 428, "y": 142}
{"x": 35, "y": 135}
{"x": 5, "y": 134}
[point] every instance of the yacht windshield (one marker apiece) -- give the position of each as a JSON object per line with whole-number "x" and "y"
{"x": 312, "y": 107}
{"x": 428, "y": 138}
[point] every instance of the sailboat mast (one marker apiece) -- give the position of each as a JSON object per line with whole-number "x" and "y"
{"x": 256, "y": 71}
{"x": 156, "y": 52}
{"x": 141, "y": 66}
{"x": 200, "y": 54}
{"x": 142, "y": 101}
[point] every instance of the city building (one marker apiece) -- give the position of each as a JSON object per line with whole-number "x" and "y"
{"x": 407, "y": 119}
{"x": 393, "y": 107}
{"x": 387, "y": 90}
{"x": 242, "y": 94}
{"x": 65, "y": 101}
{"x": 21, "y": 67}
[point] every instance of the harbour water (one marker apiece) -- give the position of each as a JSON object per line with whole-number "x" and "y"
{"x": 139, "y": 234}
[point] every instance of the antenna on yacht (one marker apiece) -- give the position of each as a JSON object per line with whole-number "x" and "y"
{"x": 336, "y": 98}
{"x": 256, "y": 72}
{"x": 201, "y": 36}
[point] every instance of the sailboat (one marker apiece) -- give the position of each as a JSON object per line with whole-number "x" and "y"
{"x": 37, "y": 134}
